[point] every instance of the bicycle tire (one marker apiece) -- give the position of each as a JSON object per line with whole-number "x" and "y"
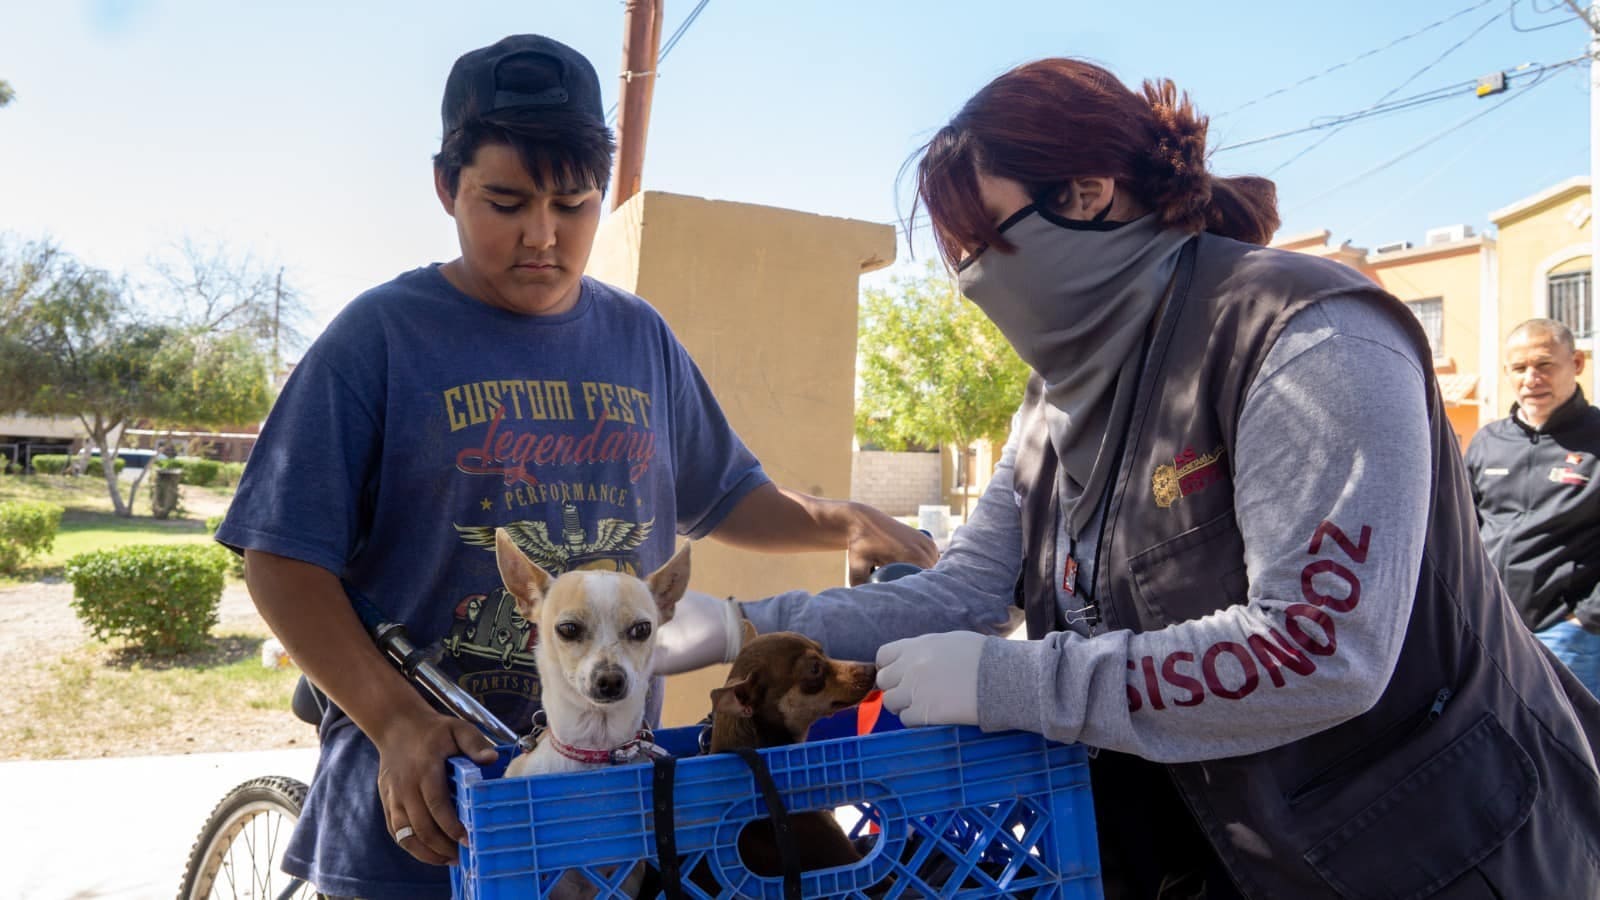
{"x": 240, "y": 847}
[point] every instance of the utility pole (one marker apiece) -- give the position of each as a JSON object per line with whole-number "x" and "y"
{"x": 277, "y": 304}
{"x": 641, "y": 43}
{"x": 1593, "y": 21}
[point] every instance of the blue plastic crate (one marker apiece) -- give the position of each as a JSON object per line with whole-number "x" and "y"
{"x": 961, "y": 814}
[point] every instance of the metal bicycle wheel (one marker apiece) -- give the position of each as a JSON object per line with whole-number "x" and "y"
{"x": 239, "y": 852}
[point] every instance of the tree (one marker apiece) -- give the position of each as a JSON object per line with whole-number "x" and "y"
{"x": 211, "y": 287}
{"x": 7, "y": 92}
{"x": 934, "y": 370}
{"x": 75, "y": 344}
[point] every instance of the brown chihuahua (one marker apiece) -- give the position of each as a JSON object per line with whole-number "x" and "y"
{"x": 780, "y": 685}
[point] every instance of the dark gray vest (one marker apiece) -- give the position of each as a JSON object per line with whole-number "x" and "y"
{"x": 1477, "y": 760}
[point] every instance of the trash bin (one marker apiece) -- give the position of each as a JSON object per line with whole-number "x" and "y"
{"x": 166, "y": 492}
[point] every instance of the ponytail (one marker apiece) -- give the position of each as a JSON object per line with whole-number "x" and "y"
{"x": 1176, "y": 185}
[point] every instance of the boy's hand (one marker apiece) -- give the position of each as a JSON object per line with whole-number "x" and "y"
{"x": 876, "y": 539}
{"x": 411, "y": 783}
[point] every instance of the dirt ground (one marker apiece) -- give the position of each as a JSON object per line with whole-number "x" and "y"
{"x": 37, "y": 625}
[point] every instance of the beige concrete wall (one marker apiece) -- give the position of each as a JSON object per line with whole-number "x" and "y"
{"x": 896, "y": 483}
{"x": 765, "y": 301}
{"x": 1546, "y": 233}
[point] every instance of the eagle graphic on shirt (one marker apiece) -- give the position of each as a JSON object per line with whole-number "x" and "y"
{"x": 488, "y": 626}
{"x": 612, "y": 548}
{"x": 490, "y": 643}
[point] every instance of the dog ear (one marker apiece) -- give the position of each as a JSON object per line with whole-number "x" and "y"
{"x": 523, "y": 578}
{"x": 736, "y": 698}
{"x": 668, "y": 583}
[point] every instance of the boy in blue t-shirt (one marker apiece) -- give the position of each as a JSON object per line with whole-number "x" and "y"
{"x": 500, "y": 389}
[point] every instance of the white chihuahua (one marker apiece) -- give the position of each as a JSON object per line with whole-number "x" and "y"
{"x": 597, "y": 633}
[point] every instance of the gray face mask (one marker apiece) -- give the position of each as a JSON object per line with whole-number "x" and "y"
{"x": 1075, "y": 300}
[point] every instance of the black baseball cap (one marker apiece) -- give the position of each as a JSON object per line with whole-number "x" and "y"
{"x": 520, "y": 76}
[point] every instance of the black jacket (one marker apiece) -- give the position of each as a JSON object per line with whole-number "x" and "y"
{"x": 1539, "y": 511}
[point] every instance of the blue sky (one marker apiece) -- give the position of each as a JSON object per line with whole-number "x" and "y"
{"x": 301, "y": 132}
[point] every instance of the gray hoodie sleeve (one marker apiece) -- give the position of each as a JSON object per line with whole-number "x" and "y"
{"x": 1331, "y": 488}
{"x": 971, "y": 588}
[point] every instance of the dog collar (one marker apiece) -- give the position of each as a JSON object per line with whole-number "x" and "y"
{"x": 642, "y": 745}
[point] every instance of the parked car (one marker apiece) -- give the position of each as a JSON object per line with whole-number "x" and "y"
{"x": 136, "y": 459}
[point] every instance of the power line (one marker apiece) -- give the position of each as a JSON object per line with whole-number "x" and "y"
{"x": 1412, "y": 187}
{"x": 1392, "y": 91}
{"x": 683, "y": 26}
{"x": 1428, "y": 97}
{"x": 1553, "y": 8}
{"x": 672, "y": 41}
{"x": 1416, "y": 148}
{"x": 1355, "y": 59}
{"x": 1443, "y": 93}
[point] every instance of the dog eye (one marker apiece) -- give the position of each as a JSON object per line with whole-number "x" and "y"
{"x": 639, "y": 632}
{"x": 570, "y": 631}
{"x": 816, "y": 668}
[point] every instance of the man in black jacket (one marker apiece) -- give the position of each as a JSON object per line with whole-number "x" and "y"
{"x": 1538, "y": 503}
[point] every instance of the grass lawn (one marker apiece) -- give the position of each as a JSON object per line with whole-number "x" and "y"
{"x": 98, "y": 696}
{"x": 72, "y": 700}
{"x": 89, "y": 523}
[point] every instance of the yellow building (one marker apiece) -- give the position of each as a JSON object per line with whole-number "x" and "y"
{"x": 1469, "y": 290}
{"x": 1543, "y": 264}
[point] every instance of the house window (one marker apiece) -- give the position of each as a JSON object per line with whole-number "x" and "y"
{"x": 1430, "y": 313}
{"x": 1569, "y": 302}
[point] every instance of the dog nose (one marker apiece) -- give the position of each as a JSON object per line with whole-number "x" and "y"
{"x": 610, "y": 684}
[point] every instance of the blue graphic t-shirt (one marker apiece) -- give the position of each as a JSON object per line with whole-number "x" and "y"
{"x": 422, "y": 420}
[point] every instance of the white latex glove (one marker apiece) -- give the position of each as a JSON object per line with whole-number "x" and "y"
{"x": 704, "y": 630}
{"x": 932, "y": 679}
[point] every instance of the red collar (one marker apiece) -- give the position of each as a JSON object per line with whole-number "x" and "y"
{"x": 641, "y": 745}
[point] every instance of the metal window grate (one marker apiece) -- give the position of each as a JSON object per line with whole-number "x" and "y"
{"x": 1430, "y": 313}
{"x": 1569, "y": 302}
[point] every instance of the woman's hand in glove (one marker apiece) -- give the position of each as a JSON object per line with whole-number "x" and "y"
{"x": 932, "y": 679}
{"x": 703, "y": 631}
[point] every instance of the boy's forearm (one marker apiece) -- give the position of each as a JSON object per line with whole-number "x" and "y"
{"x": 777, "y": 520}
{"x": 306, "y": 607}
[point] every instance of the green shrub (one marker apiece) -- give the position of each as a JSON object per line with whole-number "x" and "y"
{"x": 212, "y": 524}
{"x": 117, "y": 465}
{"x": 163, "y": 598}
{"x": 202, "y": 472}
{"x": 50, "y": 463}
{"x": 196, "y": 470}
{"x": 27, "y": 528}
{"x": 57, "y": 463}
{"x": 230, "y": 473}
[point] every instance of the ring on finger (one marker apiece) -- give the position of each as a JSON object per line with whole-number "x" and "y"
{"x": 403, "y": 833}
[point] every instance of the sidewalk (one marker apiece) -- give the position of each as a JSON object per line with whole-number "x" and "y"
{"x": 117, "y": 828}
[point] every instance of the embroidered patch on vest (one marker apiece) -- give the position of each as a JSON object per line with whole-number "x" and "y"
{"x": 1562, "y": 475}
{"x": 1190, "y": 473}
{"x": 1574, "y": 459}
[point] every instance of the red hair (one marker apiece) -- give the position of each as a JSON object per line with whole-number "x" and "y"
{"x": 1048, "y": 122}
